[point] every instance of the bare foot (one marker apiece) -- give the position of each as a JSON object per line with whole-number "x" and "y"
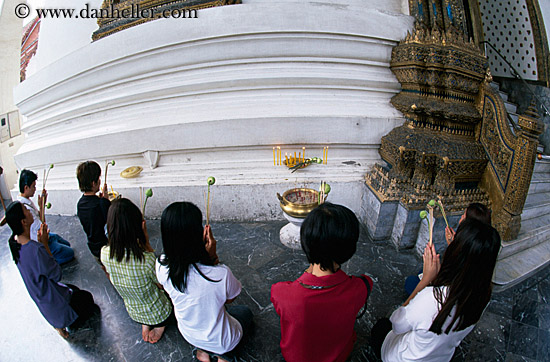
{"x": 221, "y": 359}
{"x": 202, "y": 356}
{"x": 62, "y": 332}
{"x": 155, "y": 334}
{"x": 145, "y": 332}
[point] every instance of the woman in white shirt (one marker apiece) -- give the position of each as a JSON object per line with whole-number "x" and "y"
{"x": 448, "y": 301}
{"x": 199, "y": 286}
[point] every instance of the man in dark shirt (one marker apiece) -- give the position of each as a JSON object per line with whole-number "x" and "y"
{"x": 92, "y": 209}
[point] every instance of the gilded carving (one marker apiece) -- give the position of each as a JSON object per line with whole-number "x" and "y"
{"x": 456, "y": 125}
{"x": 142, "y": 11}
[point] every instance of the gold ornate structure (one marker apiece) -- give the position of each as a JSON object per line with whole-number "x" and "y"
{"x": 117, "y": 15}
{"x": 456, "y": 142}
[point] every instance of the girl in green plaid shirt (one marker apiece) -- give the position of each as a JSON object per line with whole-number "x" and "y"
{"x": 130, "y": 263}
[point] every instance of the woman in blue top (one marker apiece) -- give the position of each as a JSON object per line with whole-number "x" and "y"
{"x": 61, "y": 305}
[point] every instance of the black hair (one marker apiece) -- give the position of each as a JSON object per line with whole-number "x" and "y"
{"x": 26, "y": 178}
{"x": 466, "y": 269}
{"x": 479, "y": 212}
{"x": 87, "y": 172}
{"x": 125, "y": 230}
{"x": 182, "y": 240}
{"x": 14, "y": 216}
{"x": 329, "y": 235}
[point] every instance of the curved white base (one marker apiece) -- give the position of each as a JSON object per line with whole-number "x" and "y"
{"x": 290, "y": 233}
{"x": 191, "y": 98}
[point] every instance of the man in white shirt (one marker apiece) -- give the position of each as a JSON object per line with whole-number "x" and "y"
{"x": 60, "y": 248}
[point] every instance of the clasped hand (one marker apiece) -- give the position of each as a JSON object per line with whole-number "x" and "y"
{"x": 431, "y": 264}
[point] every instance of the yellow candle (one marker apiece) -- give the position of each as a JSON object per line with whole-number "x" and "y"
{"x": 286, "y": 159}
{"x": 279, "y": 155}
{"x": 303, "y": 154}
{"x": 295, "y": 156}
{"x": 326, "y": 157}
{"x": 299, "y": 156}
{"x": 274, "y": 161}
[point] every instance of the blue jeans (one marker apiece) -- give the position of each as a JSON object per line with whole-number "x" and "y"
{"x": 60, "y": 248}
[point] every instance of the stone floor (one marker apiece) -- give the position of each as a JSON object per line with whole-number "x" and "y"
{"x": 515, "y": 326}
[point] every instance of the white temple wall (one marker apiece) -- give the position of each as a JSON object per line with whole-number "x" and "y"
{"x": 191, "y": 98}
{"x": 61, "y": 36}
{"x": 10, "y": 55}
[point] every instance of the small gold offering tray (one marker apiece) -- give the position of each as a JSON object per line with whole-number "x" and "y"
{"x": 131, "y": 172}
{"x": 299, "y": 202}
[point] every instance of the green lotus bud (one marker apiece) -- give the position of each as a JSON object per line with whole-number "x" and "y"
{"x": 112, "y": 162}
{"x": 432, "y": 203}
{"x": 423, "y": 214}
{"x": 314, "y": 159}
{"x": 51, "y": 165}
{"x": 48, "y": 205}
{"x": 149, "y": 193}
{"x": 327, "y": 188}
{"x": 319, "y": 160}
{"x": 211, "y": 180}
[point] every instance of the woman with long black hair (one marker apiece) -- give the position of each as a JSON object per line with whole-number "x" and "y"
{"x": 129, "y": 261}
{"x": 448, "y": 301}
{"x": 199, "y": 286}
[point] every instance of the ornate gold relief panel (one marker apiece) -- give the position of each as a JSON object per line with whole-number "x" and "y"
{"x": 496, "y": 140}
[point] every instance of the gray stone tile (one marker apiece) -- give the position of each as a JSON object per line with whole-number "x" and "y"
{"x": 523, "y": 339}
{"x": 258, "y": 259}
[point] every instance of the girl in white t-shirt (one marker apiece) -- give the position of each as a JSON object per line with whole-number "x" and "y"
{"x": 447, "y": 303}
{"x": 198, "y": 285}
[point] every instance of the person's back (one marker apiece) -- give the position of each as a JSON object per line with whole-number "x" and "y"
{"x": 200, "y": 312}
{"x": 411, "y": 328}
{"x": 200, "y": 288}
{"x": 447, "y": 303}
{"x": 129, "y": 261}
{"x": 319, "y": 309}
{"x": 92, "y": 213}
{"x": 318, "y": 315}
{"x": 91, "y": 209}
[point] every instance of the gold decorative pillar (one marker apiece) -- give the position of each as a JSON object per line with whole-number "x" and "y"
{"x": 508, "y": 218}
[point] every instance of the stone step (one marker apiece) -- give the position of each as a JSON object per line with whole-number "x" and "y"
{"x": 533, "y": 224}
{"x": 514, "y": 267}
{"x": 533, "y": 200}
{"x": 511, "y": 107}
{"x": 540, "y": 182}
{"x": 543, "y": 166}
{"x": 539, "y": 207}
{"x": 514, "y": 116}
{"x": 495, "y": 86}
{"x": 503, "y": 95}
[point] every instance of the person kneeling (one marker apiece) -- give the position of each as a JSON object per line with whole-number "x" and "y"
{"x": 319, "y": 309}
{"x": 62, "y": 305}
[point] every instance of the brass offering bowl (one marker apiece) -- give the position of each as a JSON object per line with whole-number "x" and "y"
{"x": 299, "y": 202}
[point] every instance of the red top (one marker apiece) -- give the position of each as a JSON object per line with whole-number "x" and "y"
{"x": 317, "y": 324}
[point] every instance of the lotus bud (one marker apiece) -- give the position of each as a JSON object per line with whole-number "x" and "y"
{"x": 327, "y": 188}
{"x": 431, "y": 203}
{"x": 423, "y": 214}
{"x": 149, "y": 193}
{"x": 211, "y": 180}
{"x": 48, "y": 205}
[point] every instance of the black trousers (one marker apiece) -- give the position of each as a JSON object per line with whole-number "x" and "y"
{"x": 82, "y": 302}
{"x": 378, "y": 333}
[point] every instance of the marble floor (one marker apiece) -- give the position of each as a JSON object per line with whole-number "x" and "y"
{"x": 515, "y": 326}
